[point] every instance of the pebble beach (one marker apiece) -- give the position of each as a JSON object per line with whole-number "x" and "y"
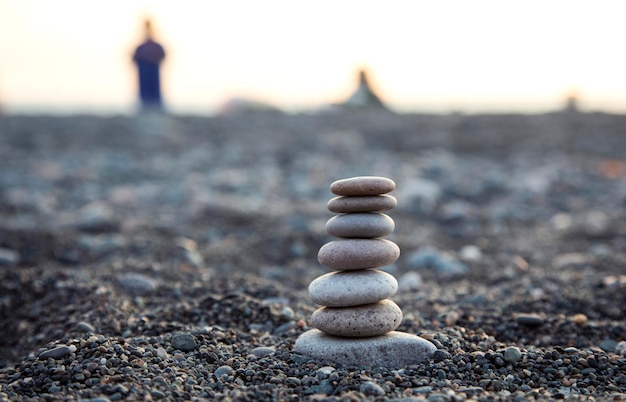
{"x": 166, "y": 257}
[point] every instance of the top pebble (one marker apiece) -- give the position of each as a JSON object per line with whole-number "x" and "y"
{"x": 363, "y": 185}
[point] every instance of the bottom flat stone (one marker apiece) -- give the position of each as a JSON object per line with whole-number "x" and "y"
{"x": 392, "y": 350}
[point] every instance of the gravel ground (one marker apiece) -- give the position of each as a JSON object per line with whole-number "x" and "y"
{"x": 168, "y": 257}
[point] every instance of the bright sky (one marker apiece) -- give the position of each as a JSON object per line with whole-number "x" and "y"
{"x": 422, "y": 55}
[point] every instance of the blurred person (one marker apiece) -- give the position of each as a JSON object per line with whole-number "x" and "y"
{"x": 364, "y": 96}
{"x": 148, "y": 57}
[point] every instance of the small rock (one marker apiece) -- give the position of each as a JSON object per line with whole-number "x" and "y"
{"x": 8, "y": 257}
{"x": 137, "y": 284}
{"x": 620, "y": 348}
{"x": 96, "y": 217}
{"x": 371, "y": 388}
{"x": 223, "y": 371}
{"x": 410, "y": 281}
{"x": 579, "y": 319}
{"x": 325, "y": 387}
{"x": 512, "y": 354}
{"x": 262, "y": 351}
{"x": 456, "y": 211}
{"x": 470, "y": 253}
{"x": 608, "y": 345}
{"x": 326, "y": 370}
{"x": 431, "y": 258}
{"x": 423, "y": 389}
{"x": 184, "y": 341}
{"x": 531, "y": 320}
{"x": 440, "y": 355}
{"x": 597, "y": 224}
{"x": 85, "y": 327}
{"x": 569, "y": 260}
{"x": 420, "y": 195}
{"x": 451, "y": 318}
{"x": 162, "y": 353}
{"x": 57, "y": 353}
{"x": 561, "y": 222}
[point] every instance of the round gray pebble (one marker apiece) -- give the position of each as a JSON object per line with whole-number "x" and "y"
{"x": 371, "y": 388}
{"x": 512, "y": 354}
{"x": 184, "y": 341}
{"x": 364, "y": 225}
{"x": 358, "y": 253}
{"x": 358, "y": 321}
{"x": 352, "y": 288}
{"x": 262, "y": 351}
{"x": 620, "y": 348}
{"x": 363, "y": 185}
{"x": 223, "y": 371}
{"x": 137, "y": 284}
{"x": 371, "y": 203}
{"x": 85, "y": 327}
{"x": 531, "y": 320}
{"x": 57, "y": 353}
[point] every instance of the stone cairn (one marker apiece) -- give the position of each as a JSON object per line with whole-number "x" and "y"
{"x": 356, "y": 324}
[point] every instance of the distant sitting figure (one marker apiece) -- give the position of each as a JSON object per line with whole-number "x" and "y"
{"x": 571, "y": 104}
{"x": 148, "y": 56}
{"x": 364, "y": 97}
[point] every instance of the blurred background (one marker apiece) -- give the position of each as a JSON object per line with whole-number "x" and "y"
{"x": 71, "y": 56}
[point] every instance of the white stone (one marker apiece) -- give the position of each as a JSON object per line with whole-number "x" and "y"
{"x": 352, "y": 288}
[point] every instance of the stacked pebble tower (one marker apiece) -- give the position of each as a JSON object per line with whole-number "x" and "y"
{"x": 355, "y": 325}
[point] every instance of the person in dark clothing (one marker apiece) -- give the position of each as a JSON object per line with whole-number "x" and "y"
{"x": 364, "y": 96}
{"x": 148, "y": 57}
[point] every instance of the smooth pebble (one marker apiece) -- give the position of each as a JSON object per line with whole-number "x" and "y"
{"x": 365, "y": 225}
{"x": 185, "y": 342}
{"x": 371, "y": 388}
{"x": 137, "y": 284}
{"x": 352, "y": 288}
{"x": 392, "y": 350}
{"x": 363, "y": 185}
{"x": 262, "y": 351}
{"x": 223, "y": 371}
{"x": 358, "y": 253}
{"x": 57, "y": 353}
{"x": 358, "y": 321}
{"x": 512, "y": 354}
{"x": 531, "y": 320}
{"x": 372, "y": 203}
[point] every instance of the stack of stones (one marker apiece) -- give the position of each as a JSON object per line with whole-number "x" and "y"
{"x": 356, "y": 324}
